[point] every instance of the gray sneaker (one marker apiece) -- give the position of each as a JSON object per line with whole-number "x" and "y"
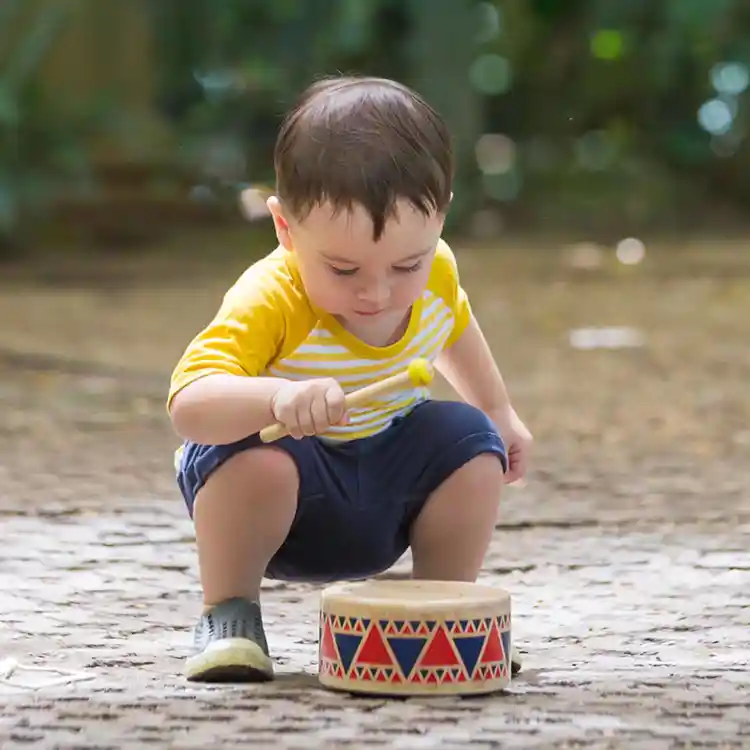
{"x": 230, "y": 645}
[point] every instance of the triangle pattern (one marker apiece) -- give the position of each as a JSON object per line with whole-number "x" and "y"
{"x": 469, "y": 648}
{"x": 347, "y": 644}
{"x": 407, "y": 651}
{"x": 493, "y": 649}
{"x": 374, "y": 650}
{"x": 327, "y": 645}
{"x": 440, "y": 652}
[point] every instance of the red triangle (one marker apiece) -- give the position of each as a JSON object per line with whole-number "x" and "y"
{"x": 432, "y": 679}
{"x": 493, "y": 648}
{"x": 381, "y": 676}
{"x": 373, "y": 650}
{"x": 440, "y": 652}
{"x": 328, "y": 645}
{"x": 461, "y": 677}
{"x": 346, "y": 625}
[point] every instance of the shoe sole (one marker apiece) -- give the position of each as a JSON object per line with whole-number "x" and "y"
{"x": 230, "y": 660}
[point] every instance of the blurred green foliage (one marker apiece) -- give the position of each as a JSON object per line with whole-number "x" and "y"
{"x": 581, "y": 114}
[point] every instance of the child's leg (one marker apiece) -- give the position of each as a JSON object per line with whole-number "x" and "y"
{"x": 450, "y": 537}
{"x": 291, "y": 511}
{"x": 242, "y": 515}
{"x": 243, "y": 500}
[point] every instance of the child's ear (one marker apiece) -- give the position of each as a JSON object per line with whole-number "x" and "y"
{"x": 279, "y": 222}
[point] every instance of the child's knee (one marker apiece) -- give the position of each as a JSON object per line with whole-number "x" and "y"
{"x": 257, "y": 474}
{"x": 482, "y": 474}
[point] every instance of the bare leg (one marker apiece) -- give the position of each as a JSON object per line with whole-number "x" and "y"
{"x": 242, "y": 516}
{"x": 452, "y": 533}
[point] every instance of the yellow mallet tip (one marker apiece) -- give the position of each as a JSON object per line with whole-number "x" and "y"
{"x": 420, "y": 372}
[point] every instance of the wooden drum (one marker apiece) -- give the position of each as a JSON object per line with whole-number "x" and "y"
{"x": 407, "y": 638}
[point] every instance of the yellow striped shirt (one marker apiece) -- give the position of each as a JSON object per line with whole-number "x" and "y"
{"x": 266, "y": 326}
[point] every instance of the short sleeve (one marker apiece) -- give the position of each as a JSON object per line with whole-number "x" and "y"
{"x": 445, "y": 281}
{"x": 244, "y": 336}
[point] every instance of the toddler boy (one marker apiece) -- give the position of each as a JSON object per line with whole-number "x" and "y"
{"x": 360, "y": 284}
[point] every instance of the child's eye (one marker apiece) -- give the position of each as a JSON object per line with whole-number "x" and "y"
{"x": 343, "y": 271}
{"x": 408, "y": 269}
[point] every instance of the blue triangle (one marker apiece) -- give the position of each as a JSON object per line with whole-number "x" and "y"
{"x": 431, "y": 625}
{"x": 407, "y": 651}
{"x": 365, "y": 622}
{"x": 505, "y": 638}
{"x": 464, "y": 624}
{"x": 469, "y": 649}
{"x": 449, "y": 625}
{"x": 347, "y": 644}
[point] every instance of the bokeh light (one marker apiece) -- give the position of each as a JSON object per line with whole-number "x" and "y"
{"x": 730, "y": 79}
{"x": 504, "y": 187}
{"x": 491, "y": 74}
{"x": 716, "y": 117}
{"x": 489, "y": 22}
{"x": 495, "y": 153}
{"x": 630, "y": 251}
{"x": 607, "y": 44}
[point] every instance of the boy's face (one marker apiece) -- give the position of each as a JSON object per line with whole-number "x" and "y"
{"x": 349, "y": 275}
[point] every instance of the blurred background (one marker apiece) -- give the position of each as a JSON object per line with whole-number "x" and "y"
{"x": 600, "y": 214}
{"x": 599, "y": 117}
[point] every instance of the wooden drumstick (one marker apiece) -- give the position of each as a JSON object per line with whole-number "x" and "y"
{"x": 419, "y": 372}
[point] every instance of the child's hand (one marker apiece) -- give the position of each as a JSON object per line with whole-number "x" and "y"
{"x": 309, "y": 407}
{"x": 517, "y": 441}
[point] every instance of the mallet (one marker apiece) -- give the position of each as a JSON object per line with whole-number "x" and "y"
{"x": 419, "y": 372}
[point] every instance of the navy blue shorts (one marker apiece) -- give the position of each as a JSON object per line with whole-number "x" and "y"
{"x": 357, "y": 500}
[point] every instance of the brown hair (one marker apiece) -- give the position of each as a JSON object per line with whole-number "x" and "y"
{"x": 363, "y": 140}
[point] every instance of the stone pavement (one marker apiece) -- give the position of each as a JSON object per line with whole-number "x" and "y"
{"x": 627, "y": 555}
{"x": 636, "y": 628}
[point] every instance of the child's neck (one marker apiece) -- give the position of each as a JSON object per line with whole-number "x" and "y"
{"x": 381, "y": 334}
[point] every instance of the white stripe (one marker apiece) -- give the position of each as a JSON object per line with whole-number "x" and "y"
{"x": 306, "y": 347}
{"x": 375, "y": 426}
{"x": 302, "y": 371}
{"x": 365, "y": 415}
{"x": 434, "y": 333}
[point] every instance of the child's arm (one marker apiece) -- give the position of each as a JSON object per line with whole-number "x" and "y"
{"x": 468, "y": 365}
{"x": 218, "y": 392}
{"x": 220, "y": 408}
